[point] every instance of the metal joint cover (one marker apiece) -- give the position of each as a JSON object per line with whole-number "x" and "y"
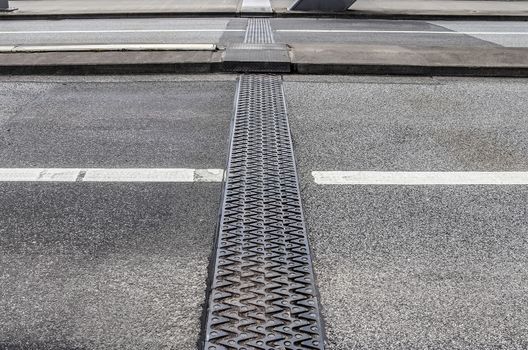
{"x": 263, "y": 294}
{"x": 259, "y": 53}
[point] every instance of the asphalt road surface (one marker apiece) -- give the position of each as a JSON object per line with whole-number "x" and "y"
{"x": 416, "y": 267}
{"x": 113, "y": 265}
{"x": 291, "y": 31}
{"x": 109, "y": 265}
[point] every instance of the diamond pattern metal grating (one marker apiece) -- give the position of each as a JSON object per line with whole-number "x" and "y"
{"x": 259, "y": 31}
{"x": 262, "y": 294}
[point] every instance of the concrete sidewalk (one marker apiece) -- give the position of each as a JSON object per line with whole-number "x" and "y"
{"x": 432, "y": 8}
{"x": 408, "y": 60}
{"x": 304, "y": 59}
{"x": 102, "y": 7}
{"x": 362, "y": 8}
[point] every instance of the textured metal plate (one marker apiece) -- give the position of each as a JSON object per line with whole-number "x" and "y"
{"x": 250, "y": 47}
{"x": 260, "y": 66}
{"x": 258, "y": 53}
{"x": 259, "y": 31}
{"x": 262, "y": 294}
{"x": 257, "y": 58}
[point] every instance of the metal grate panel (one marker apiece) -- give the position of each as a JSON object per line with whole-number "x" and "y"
{"x": 262, "y": 294}
{"x": 259, "y": 31}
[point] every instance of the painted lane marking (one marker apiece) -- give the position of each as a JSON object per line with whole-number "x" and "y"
{"x": 107, "y": 47}
{"x": 121, "y": 31}
{"x": 395, "y": 32}
{"x": 110, "y": 175}
{"x": 34, "y": 174}
{"x": 419, "y": 178}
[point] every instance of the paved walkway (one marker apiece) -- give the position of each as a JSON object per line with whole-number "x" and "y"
{"x": 429, "y": 7}
{"x": 197, "y": 7}
{"x": 122, "y": 6}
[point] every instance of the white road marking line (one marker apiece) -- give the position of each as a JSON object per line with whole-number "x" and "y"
{"x": 110, "y": 175}
{"x": 208, "y": 175}
{"x": 34, "y": 174}
{"x": 139, "y": 175}
{"x": 419, "y": 178}
{"x": 395, "y": 32}
{"x": 121, "y": 31}
{"x": 107, "y": 47}
{"x": 5, "y": 48}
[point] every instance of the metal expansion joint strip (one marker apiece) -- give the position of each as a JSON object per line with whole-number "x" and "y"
{"x": 259, "y": 31}
{"x": 263, "y": 294}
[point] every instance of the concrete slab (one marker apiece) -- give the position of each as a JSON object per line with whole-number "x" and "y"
{"x": 385, "y": 8}
{"x": 107, "y": 48}
{"x": 123, "y": 6}
{"x": 396, "y": 59}
{"x": 442, "y": 7}
{"x": 256, "y": 6}
{"x": 185, "y": 62}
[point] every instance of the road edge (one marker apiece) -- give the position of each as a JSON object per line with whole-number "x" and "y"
{"x": 296, "y": 68}
{"x": 280, "y": 14}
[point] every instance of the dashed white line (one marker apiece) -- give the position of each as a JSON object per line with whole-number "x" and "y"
{"x": 110, "y": 175}
{"x": 419, "y": 178}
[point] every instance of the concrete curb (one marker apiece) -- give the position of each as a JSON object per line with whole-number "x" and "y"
{"x": 350, "y": 14}
{"x": 110, "y": 62}
{"x": 295, "y": 68}
{"x": 300, "y": 59}
{"x": 96, "y": 69}
{"x": 362, "y": 69}
{"x": 106, "y": 48}
{"x": 403, "y": 16}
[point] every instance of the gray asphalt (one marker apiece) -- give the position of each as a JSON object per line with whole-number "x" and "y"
{"x": 109, "y": 266}
{"x": 116, "y": 124}
{"x": 486, "y": 27}
{"x": 103, "y": 31}
{"x": 423, "y": 267}
{"x": 124, "y": 266}
{"x": 408, "y": 38}
{"x": 407, "y": 124}
{"x": 67, "y": 32}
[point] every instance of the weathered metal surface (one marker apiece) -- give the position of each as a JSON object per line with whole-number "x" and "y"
{"x": 263, "y": 294}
